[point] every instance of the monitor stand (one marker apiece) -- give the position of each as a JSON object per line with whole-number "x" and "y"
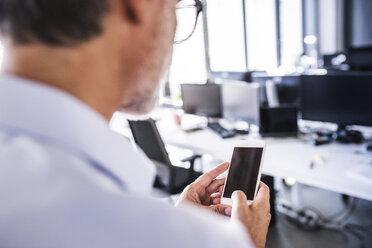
{"x": 345, "y": 135}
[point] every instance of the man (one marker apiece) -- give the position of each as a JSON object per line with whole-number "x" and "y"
{"x": 66, "y": 180}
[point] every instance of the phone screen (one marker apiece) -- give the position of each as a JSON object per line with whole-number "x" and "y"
{"x": 243, "y": 172}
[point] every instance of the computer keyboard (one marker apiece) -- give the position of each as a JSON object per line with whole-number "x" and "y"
{"x": 221, "y": 131}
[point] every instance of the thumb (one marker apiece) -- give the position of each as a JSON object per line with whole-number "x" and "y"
{"x": 239, "y": 200}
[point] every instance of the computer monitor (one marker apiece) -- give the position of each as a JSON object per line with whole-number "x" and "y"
{"x": 360, "y": 58}
{"x": 241, "y": 101}
{"x": 341, "y": 99}
{"x": 287, "y": 87}
{"x": 202, "y": 99}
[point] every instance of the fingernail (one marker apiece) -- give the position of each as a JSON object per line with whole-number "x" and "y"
{"x": 228, "y": 211}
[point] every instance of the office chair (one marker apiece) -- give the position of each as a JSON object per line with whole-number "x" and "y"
{"x": 170, "y": 178}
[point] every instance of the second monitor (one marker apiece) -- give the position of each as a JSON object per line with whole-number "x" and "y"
{"x": 341, "y": 99}
{"x": 233, "y": 100}
{"x": 202, "y": 99}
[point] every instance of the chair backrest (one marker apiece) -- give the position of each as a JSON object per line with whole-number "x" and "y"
{"x": 147, "y": 137}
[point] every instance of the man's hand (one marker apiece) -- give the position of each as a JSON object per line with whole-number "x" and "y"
{"x": 256, "y": 216}
{"x": 206, "y": 191}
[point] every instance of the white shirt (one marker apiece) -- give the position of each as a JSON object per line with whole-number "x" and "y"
{"x": 67, "y": 180}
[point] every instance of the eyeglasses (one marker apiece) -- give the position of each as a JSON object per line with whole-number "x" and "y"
{"x": 187, "y": 13}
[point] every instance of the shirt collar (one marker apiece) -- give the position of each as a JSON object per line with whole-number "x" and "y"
{"x": 48, "y": 112}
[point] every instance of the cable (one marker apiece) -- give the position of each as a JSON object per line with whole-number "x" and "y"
{"x": 315, "y": 213}
{"x": 347, "y": 212}
{"x": 357, "y": 235}
{"x": 352, "y": 209}
{"x": 344, "y": 210}
{"x": 360, "y": 227}
{"x": 311, "y": 219}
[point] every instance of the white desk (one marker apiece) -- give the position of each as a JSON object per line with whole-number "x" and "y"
{"x": 288, "y": 157}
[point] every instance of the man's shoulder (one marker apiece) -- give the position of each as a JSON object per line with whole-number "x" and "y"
{"x": 28, "y": 163}
{"x": 21, "y": 148}
{"x": 53, "y": 201}
{"x": 100, "y": 219}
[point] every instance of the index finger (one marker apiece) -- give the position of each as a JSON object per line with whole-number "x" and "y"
{"x": 207, "y": 178}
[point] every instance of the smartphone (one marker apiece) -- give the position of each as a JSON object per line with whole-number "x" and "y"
{"x": 245, "y": 170}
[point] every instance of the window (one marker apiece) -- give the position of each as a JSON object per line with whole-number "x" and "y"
{"x": 290, "y": 32}
{"x": 243, "y": 36}
{"x": 188, "y": 62}
{"x": 226, "y": 40}
{"x": 331, "y": 28}
{"x": 261, "y": 34}
{"x": 226, "y": 35}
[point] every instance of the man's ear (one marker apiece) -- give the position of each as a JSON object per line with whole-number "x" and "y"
{"x": 135, "y": 10}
